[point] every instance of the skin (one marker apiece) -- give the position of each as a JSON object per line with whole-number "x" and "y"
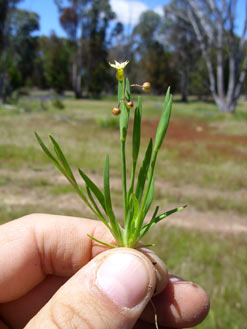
{"x": 48, "y": 264}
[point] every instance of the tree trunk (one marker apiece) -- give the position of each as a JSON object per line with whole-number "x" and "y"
{"x": 225, "y": 106}
{"x": 3, "y": 55}
{"x": 2, "y": 78}
{"x": 210, "y": 36}
{"x": 184, "y": 85}
{"x": 76, "y": 77}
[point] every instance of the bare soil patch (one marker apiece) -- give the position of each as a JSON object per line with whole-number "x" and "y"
{"x": 191, "y": 130}
{"x": 224, "y": 222}
{"x": 196, "y": 131}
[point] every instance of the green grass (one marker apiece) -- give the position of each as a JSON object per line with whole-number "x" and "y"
{"x": 203, "y": 164}
{"x": 17, "y": 155}
{"x": 214, "y": 203}
{"x": 216, "y": 263}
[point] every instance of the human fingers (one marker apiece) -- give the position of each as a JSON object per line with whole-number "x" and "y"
{"x": 111, "y": 291}
{"x": 181, "y": 304}
{"x": 17, "y": 313}
{"x": 190, "y": 300}
{"x": 38, "y": 245}
{"x": 36, "y": 251}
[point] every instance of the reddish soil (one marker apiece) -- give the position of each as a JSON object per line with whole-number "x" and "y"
{"x": 193, "y": 131}
{"x": 196, "y": 131}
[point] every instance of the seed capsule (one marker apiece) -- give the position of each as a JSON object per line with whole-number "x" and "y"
{"x": 116, "y": 111}
{"x": 130, "y": 104}
{"x": 146, "y": 87}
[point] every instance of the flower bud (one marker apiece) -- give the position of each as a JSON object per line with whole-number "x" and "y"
{"x": 130, "y": 104}
{"x": 146, "y": 87}
{"x": 120, "y": 74}
{"x": 116, "y": 111}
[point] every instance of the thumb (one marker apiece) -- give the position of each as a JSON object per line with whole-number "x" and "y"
{"x": 110, "y": 292}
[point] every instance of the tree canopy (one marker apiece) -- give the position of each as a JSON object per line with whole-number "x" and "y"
{"x": 193, "y": 47}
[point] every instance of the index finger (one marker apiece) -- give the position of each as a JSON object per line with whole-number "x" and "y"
{"x": 38, "y": 245}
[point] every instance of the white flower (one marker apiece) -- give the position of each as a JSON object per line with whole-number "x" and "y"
{"x": 120, "y": 69}
{"x": 119, "y": 66}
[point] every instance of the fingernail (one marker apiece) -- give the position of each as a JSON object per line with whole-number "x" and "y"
{"x": 124, "y": 278}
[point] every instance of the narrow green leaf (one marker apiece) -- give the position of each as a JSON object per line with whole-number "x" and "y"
{"x": 116, "y": 230}
{"x": 48, "y": 153}
{"x": 143, "y": 212}
{"x": 143, "y": 172}
{"x": 101, "y": 242}
{"x": 164, "y": 121}
{"x": 93, "y": 187}
{"x": 107, "y": 192}
{"x": 95, "y": 206}
{"x": 136, "y": 207}
{"x": 159, "y": 218}
{"x": 136, "y": 138}
{"x": 63, "y": 171}
{"x": 124, "y": 115}
{"x": 63, "y": 159}
{"x": 127, "y": 90}
{"x": 168, "y": 213}
{"x": 135, "y": 213}
{"x": 144, "y": 246}
{"x": 149, "y": 198}
{"x": 155, "y": 212}
{"x": 120, "y": 90}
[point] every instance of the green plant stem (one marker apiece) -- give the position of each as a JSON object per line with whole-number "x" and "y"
{"x": 140, "y": 217}
{"x": 127, "y": 225}
{"x": 132, "y": 180}
{"x": 124, "y": 186}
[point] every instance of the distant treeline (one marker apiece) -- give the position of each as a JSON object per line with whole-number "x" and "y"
{"x": 164, "y": 50}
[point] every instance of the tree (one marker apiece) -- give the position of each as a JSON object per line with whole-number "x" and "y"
{"x": 6, "y": 9}
{"x": 70, "y": 19}
{"x": 181, "y": 38}
{"x": 86, "y": 23}
{"x": 55, "y": 58}
{"x": 147, "y": 29}
{"x": 159, "y": 68}
{"x": 155, "y": 64}
{"x": 214, "y": 23}
{"x": 22, "y": 45}
{"x": 17, "y": 47}
{"x": 95, "y": 46}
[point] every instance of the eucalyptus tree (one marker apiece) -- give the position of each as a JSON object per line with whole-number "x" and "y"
{"x": 7, "y": 8}
{"x": 156, "y": 63}
{"x": 22, "y": 43}
{"x": 86, "y": 23}
{"x": 95, "y": 44}
{"x": 147, "y": 29}
{"x": 55, "y": 61}
{"x": 180, "y": 37}
{"x": 71, "y": 16}
{"x": 214, "y": 23}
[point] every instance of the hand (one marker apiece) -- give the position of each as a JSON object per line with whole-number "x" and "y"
{"x": 53, "y": 276}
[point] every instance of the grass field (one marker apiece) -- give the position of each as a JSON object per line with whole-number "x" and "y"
{"x": 203, "y": 164}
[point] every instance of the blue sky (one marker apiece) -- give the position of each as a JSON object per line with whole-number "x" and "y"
{"x": 128, "y": 12}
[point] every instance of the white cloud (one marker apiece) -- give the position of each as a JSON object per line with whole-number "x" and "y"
{"x": 159, "y": 10}
{"x": 128, "y": 11}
